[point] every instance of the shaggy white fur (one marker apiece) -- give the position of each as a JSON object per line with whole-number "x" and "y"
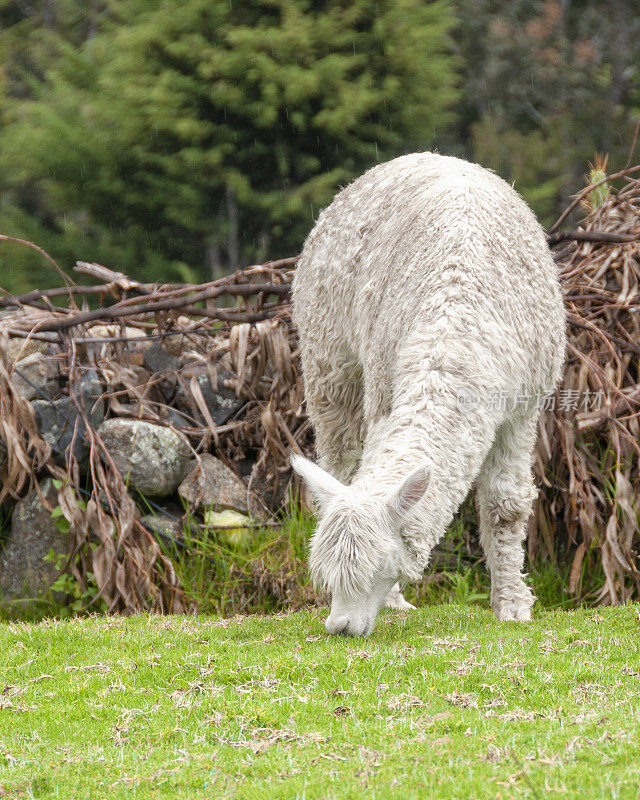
{"x": 425, "y": 283}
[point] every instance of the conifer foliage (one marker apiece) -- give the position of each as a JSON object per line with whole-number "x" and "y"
{"x": 181, "y": 137}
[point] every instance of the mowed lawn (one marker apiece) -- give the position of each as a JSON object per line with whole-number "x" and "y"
{"x": 445, "y": 702}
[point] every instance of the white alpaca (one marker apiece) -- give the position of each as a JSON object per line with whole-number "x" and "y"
{"x": 426, "y": 283}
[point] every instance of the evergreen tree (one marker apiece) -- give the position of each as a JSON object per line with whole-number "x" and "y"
{"x": 547, "y": 83}
{"x": 185, "y": 135}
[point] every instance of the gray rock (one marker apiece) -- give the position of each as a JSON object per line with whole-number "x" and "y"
{"x": 23, "y": 573}
{"x": 157, "y": 359}
{"x": 164, "y": 525}
{"x": 56, "y": 420}
{"x": 19, "y": 348}
{"x": 153, "y": 459}
{"x": 129, "y": 343}
{"x": 215, "y": 486}
{"x": 175, "y": 418}
{"x": 221, "y": 401}
{"x": 176, "y": 344}
{"x": 37, "y": 376}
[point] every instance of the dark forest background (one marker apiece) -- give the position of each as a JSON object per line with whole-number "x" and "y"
{"x": 174, "y": 139}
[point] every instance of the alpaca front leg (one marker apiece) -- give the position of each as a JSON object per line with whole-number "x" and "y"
{"x": 334, "y": 394}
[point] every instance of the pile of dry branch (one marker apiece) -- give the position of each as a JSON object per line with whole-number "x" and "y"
{"x": 589, "y": 447}
{"x": 239, "y": 327}
{"x": 245, "y": 348}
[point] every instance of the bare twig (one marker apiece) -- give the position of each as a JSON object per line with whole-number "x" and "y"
{"x": 66, "y": 278}
{"x": 592, "y": 236}
{"x": 632, "y": 150}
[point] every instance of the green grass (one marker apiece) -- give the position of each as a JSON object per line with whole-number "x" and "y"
{"x": 267, "y": 571}
{"x": 264, "y": 570}
{"x": 445, "y": 702}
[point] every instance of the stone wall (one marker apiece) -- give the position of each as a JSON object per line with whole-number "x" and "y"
{"x": 185, "y": 419}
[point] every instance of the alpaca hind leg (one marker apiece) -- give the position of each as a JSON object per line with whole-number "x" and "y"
{"x": 505, "y": 493}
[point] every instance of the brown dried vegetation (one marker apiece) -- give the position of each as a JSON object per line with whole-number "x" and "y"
{"x": 587, "y": 458}
{"x": 252, "y": 342}
{"x": 587, "y": 455}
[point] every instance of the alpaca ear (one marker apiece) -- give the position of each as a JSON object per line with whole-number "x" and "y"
{"x": 410, "y": 491}
{"x": 322, "y": 485}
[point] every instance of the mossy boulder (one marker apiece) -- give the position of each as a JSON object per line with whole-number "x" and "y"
{"x": 153, "y": 459}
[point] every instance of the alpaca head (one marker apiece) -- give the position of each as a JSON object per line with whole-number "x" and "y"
{"x": 357, "y": 551}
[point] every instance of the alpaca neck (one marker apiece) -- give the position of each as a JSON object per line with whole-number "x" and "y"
{"x": 453, "y": 444}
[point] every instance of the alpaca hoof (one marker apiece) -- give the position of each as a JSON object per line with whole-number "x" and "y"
{"x": 514, "y": 612}
{"x": 396, "y": 601}
{"x": 358, "y": 625}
